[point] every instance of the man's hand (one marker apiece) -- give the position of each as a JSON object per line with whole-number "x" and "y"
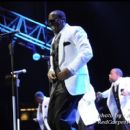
{"x": 51, "y": 75}
{"x": 35, "y": 119}
{"x": 64, "y": 74}
{"x": 99, "y": 96}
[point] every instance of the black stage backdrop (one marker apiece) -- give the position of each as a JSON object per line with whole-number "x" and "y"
{"x": 108, "y": 27}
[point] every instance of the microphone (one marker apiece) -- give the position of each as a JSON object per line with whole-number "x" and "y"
{"x": 19, "y": 71}
{"x": 8, "y": 34}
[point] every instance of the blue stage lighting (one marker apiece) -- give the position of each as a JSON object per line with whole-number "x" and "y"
{"x": 36, "y": 56}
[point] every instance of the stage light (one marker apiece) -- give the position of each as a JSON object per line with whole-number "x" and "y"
{"x": 36, "y": 56}
{"x": 24, "y": 116}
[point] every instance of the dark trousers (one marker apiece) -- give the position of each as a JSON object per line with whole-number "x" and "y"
{"x": 82, "y": 126}
{"x": 121, "y": 124}
{"x": 62, "y": 109}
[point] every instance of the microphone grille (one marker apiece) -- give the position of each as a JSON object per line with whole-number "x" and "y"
{"x": 24, "y": 70}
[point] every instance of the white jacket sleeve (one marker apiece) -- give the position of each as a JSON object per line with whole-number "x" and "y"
{"x": 105, "y": 94}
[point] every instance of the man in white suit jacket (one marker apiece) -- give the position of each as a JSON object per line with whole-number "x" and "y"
{"x": 87, "y": 110}
{"x": 42, "y": 110}
{"x": 118, "y": 104}
{"x": 70, "y": 53}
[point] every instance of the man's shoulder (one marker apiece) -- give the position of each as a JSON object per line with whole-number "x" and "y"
{"x": 71, "y": 30}
{"x": 126, "y": 79}
{"x": 74, "y": 27}
{"x": 46, "y": 99}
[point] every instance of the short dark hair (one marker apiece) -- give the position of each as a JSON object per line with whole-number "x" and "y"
{"x": 119, "y": 71}
{"x": 39, "y": 94}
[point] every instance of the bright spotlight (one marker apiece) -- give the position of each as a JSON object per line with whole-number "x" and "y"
{"x": 36, "y": 56}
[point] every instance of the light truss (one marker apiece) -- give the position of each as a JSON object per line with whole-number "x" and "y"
{"x": 30, "y": 31}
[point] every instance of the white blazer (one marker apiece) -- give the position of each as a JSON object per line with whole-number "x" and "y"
{"x": 74, "y": 53}
{"x": 42, "y": 117}
{"x": 124, "y": 83}
{"x": 87, "y": 108}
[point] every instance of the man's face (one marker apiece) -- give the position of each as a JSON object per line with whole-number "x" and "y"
{"x": 113, "y": 76}
{"x": 39, "y": 99}
{"x": 54, "y": 22}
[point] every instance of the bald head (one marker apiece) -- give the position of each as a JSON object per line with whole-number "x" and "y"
{"x": 57, "y": 20}
{"x": 115, "y": 74}
{"x": 59, "y": 14}
{"x": 39, "y": 96}
{"x": 118, "y": 71}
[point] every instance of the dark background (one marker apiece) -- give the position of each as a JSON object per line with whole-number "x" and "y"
{"x": 108, "y": 27}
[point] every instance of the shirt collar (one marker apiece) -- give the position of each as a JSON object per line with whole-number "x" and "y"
{"x": 66, "y": 25}
{"x": 117, "y": 81}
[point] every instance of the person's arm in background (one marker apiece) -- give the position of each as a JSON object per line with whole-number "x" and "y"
{"x": 103, "y": 94}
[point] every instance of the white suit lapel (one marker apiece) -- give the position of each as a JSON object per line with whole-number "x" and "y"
{"x": 61, "y": 46}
